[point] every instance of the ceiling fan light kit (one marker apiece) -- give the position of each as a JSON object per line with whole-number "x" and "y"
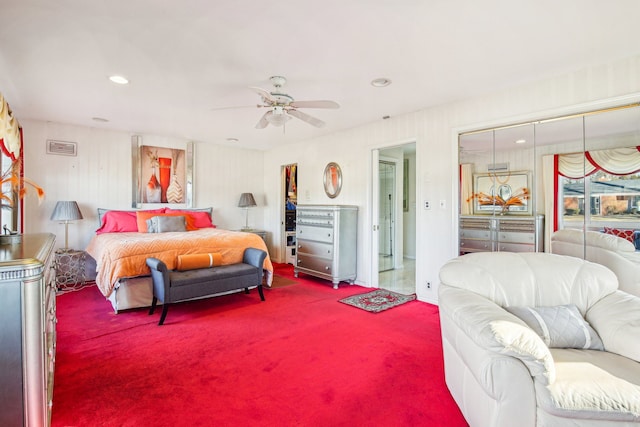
{"x": 282, "y": 106}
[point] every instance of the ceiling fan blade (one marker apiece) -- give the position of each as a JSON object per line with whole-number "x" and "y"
{"x": 266, "y": 96}
{"x": 314, "y": 104}
{"x": 263, "y": 122}
{"x": 307, "y": 118}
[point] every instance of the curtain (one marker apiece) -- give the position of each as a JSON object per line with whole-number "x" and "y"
{"x": 466, "y": 188}
{"x": 549, "y": 195}
{"x": 614, "y": 161}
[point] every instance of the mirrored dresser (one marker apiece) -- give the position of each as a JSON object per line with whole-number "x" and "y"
{"x": 28, "y": 332}
{"x": 326, "y": 238}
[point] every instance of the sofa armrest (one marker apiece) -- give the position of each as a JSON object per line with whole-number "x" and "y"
{"x": 492, "y": 327}
{"x": 616, "y": 318}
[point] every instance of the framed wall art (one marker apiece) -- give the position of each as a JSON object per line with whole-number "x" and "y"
{"x": 162, "y": 175}
{"x": 504, "y": 193}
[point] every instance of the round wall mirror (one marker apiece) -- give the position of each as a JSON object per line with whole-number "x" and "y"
{"x": 332, "y": 179}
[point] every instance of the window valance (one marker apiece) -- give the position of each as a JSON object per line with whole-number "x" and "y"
{"x": 614, "y": 161}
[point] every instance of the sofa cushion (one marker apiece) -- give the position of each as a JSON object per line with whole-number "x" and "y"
{"x": 560, "y": 326}
{"x": 530, "y": 279}
{"x": 208, "y": 275}
{"x": 593, "y": 238}
{"x": 594, "y": 385}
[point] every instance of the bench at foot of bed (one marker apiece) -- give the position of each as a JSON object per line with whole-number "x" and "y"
{"x": 171, "y": 286}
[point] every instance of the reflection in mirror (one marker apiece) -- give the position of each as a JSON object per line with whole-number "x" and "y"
{"x": 609, "y": 192}
{"x": 585, "y": 168}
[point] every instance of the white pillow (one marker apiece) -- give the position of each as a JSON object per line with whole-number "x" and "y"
{"x": 559, "y": 327}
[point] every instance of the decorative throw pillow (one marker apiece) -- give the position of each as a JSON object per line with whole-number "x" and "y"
{"x": 197, "y": 261}
{"x": 559, "y": 327}
{"x": 201, "y": 218}
{"x": 165, "y": 224}
{"x": 625, "y": 234}
{"x": 142, "y": 218}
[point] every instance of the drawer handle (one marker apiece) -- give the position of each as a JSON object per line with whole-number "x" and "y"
{"x": 326, "y": 267}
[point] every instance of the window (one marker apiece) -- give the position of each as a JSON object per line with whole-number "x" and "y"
{"x": 607, "y": 196}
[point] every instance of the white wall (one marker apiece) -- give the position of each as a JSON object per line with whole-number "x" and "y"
{"x": 101, "y": 176}
{"x": 435, "y": 132}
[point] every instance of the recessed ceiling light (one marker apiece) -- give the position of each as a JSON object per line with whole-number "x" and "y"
{"x": 119, "y": 79}
{"x": 99, "y": 119}
{"x": 381, "y": 82}
{"x": 232, "y": 139}
{"x": 520, "y": 141}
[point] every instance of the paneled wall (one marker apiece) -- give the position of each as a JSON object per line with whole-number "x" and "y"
{"x": 435, "y": 132}
{"x": 100, "y": 175}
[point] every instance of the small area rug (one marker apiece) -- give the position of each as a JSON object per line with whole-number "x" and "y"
{"x": 378, "y": 300}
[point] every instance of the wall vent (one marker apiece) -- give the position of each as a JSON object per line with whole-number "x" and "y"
{"x": 62, "y": 148}
{"x": 498, "y": 167}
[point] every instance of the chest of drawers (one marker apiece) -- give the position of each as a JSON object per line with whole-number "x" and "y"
{"x": 326, "y": 237}
{"x": 28, "y": 332}
{"x": 501, "y": 233}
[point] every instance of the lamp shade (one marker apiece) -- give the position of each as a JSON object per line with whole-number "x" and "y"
{"x": 66, "y": 211}
{"x": 246, "y": 200}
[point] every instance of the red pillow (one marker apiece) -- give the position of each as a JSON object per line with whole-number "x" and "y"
{"x": 201, "y": 219}
{"x": 625, "y": 234}
{"x": 121, "y": 221}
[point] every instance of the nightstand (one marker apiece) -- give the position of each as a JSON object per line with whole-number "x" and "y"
{"x": 260, "y": 233}
{"x": 69, "y": 269}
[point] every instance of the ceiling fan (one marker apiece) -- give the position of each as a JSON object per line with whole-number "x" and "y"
{"x": 282, "y": 106}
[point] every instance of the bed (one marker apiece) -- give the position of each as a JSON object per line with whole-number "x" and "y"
{"x": 123, "y": 243}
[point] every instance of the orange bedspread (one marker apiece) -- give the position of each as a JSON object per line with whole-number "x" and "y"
{"x": 123, "y": 255}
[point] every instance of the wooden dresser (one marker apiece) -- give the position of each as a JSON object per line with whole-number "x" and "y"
{"x": 326, "y": 238}
{"x": 28, "y": 332}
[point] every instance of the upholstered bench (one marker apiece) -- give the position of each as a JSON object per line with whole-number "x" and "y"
{"x": 171, "y": 286}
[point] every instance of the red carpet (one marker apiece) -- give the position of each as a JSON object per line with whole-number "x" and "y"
{"x": 300, "y": 358}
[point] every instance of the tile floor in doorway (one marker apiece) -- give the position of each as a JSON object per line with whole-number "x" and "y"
{"x": 400, "y": 280}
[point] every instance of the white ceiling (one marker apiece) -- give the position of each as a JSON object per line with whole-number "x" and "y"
{"x": 186, "y": 59}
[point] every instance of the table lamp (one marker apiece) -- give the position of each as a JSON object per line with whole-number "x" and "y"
{"x": 246, "y": 201}
{"x": 66, "y": 211}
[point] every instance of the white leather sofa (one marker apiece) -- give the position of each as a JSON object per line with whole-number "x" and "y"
{"x": 615, "y": 253}
{"x": 501, "y": 373}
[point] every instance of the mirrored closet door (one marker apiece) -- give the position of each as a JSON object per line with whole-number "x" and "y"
{"x": 521, "y": 184}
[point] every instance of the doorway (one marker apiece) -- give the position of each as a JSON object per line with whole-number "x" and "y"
{"x": 394, "y": 218}
{"x": 288, "y": 206}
